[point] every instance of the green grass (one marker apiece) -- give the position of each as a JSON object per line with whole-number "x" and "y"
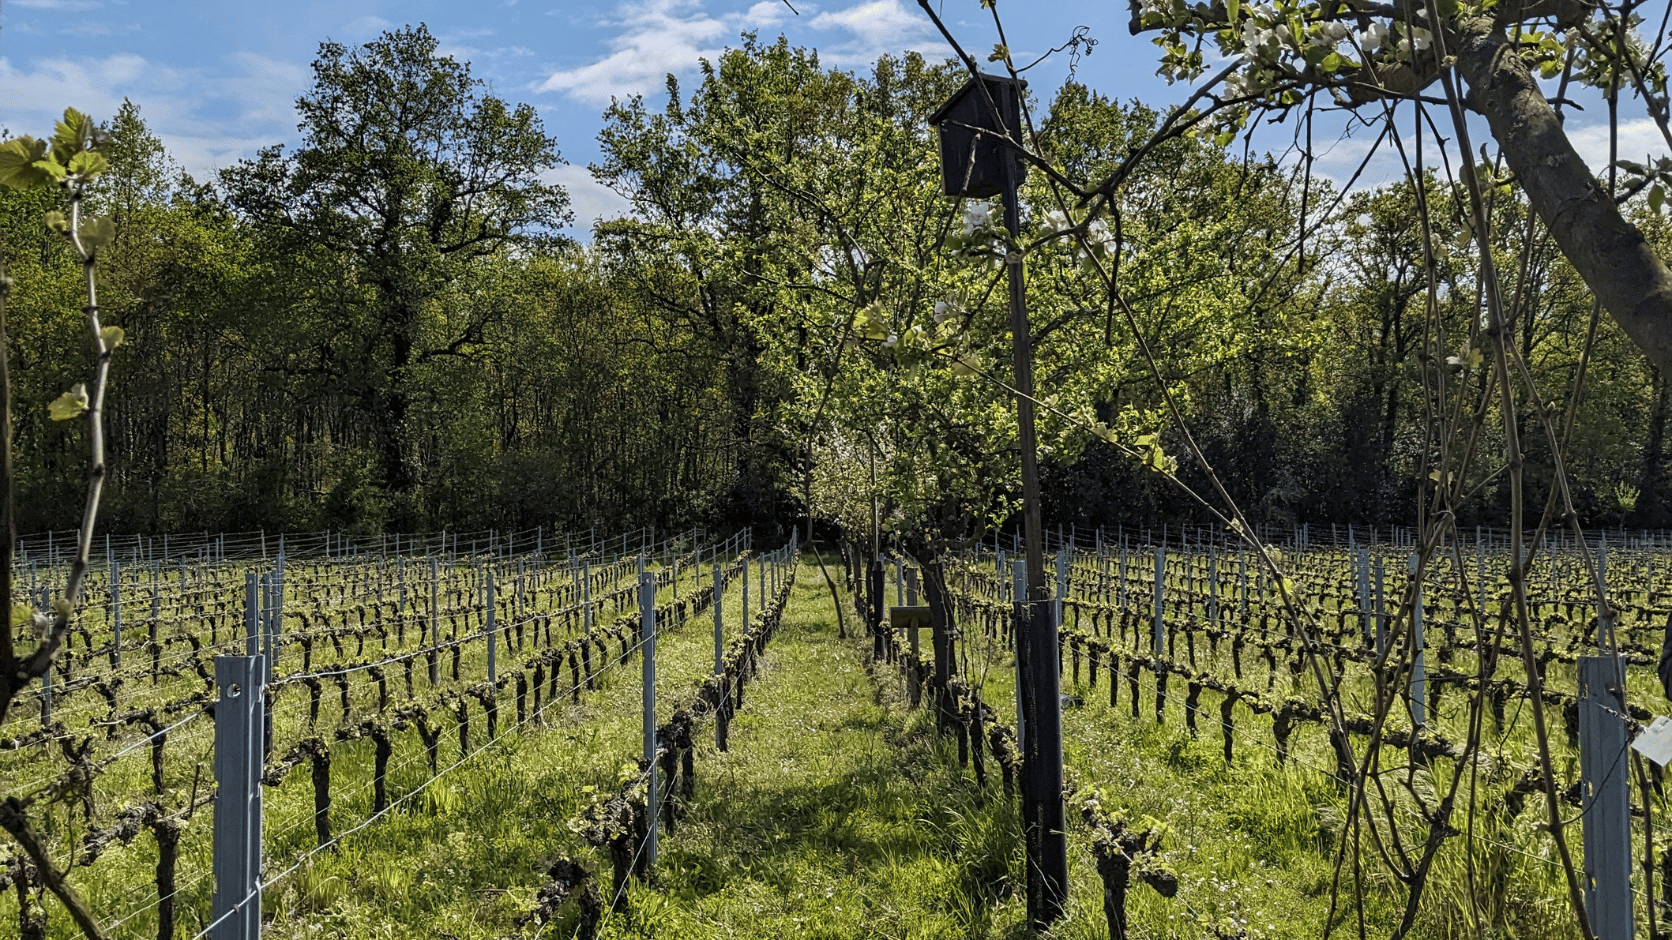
{"x": 836, "y": 813}
{"x": 463, "y": 854}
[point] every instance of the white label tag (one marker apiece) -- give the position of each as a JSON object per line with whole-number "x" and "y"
{"x": 1655, "y": 742}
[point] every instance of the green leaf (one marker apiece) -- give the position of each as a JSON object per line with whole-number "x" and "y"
{"x": 1657, "y": 197}
{"x": 54, "y": 170}
{"x": 21, "y": 615}
{"x": 112, "y": 336}
{"x": 57, "y": 222}
{"x": 1232, "y": 9}
{"x": 73, "y": 135}
{"x": 868, "y": 324}
{"x": 89, "y": 164}
{"x": 18, "y": 157}
{"x": 1331, "y": 62}
{"x": 97, "y": 233}
{"x": 70, "y": 404}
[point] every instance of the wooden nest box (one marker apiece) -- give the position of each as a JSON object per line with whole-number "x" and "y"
{"x": 973, "y": 158}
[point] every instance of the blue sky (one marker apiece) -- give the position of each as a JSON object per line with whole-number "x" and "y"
{"x": 216, "y": 79}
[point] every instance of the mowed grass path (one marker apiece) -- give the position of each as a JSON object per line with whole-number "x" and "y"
{"x": 835, "y": 813}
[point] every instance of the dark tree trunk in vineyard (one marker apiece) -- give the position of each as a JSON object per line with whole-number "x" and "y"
{"x": 1651, "y": 509}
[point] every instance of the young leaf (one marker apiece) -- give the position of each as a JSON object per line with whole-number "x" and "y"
{"x": 70, "y": 404}
{"x": 57, "y": 222}
{"x": 999, "y": 52}
{"x": 52, "y": 169}
{"x": 17, "y": 163}
{"x": 868, "y": 324}
{"x": 72, "y": 135}
{"x": 89, "y": 163}
{"x": 112, "y": 336}
{"x": 97, "y": 233}
{"x": 1657, "y": 196}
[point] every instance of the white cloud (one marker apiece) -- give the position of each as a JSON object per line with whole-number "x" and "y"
{"x": 205, "y": 120}
{"x": 369, "y": 26}
{"x": 591, "y": 199}
{"x": 459, "y": 46}
{"x": 877, "y": 27}
{"x": 655, "y": 37}
{"x": 58, "y": 4}
{"x": 1639, "y": 139}
{"x": 35, "y": 98}
{"x": 97, "y": 28}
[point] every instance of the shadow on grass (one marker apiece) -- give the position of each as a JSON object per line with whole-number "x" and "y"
{"x": 832, "y": 803}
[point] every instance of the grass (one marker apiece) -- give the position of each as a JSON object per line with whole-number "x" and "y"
{"x": 463, "y": 856}
{"x": 836, "y": 813}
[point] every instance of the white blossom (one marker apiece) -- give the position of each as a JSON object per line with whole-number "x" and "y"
{"x": 977, "y": 215}
{"x": 1373, "y": 38}
{"x": 1097, "y": 233}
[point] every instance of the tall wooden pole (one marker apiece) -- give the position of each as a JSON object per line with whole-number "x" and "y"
{"x": 1042, "y": 776}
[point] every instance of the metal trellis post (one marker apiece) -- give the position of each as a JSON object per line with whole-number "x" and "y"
{"x": 647, "y": 623}
{"x": 236, "y": 907}
{"x": 1605, "y": 799}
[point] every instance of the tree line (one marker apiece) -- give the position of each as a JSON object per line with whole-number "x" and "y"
{"x": 383, "y": 328}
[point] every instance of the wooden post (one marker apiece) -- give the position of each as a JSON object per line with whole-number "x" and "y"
{"x": 647, "y": 624}
{"x": 722, "y": 720}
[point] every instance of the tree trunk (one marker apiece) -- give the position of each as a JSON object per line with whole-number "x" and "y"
{"x": 940, "y": 628}
{"x": 1651, "y": 504}
{"x": 1630, "y": 280}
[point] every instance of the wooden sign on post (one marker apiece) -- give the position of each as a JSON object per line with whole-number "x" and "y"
{"x": 912, "y": 620}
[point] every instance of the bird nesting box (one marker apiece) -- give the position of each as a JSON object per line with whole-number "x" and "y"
{"x": 973, "y": 157}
